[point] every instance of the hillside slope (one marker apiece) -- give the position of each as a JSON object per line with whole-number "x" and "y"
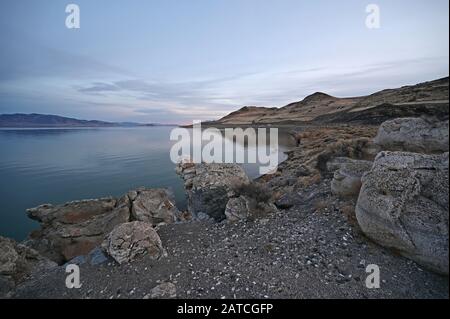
{"x": 429, "y": 98}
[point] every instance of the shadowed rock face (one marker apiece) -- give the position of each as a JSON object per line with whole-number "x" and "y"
{"x": 414, "y": 135}
{"x": 17, "y": 262}
{"x": 403, "y": 204}
{"x": 210, "y": 186}
{"x": 347, "y": 178}
{"x": 76, "y": 228}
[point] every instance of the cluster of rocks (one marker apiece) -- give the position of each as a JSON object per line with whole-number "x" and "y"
{"x": 17, "y": 262}
{"x": 83, "y": 231}
{"x": 213, "y": 192}
{"x": 76, "y": 228}
{"x": 402, "y": 197}
{"x": 122, "y": 229}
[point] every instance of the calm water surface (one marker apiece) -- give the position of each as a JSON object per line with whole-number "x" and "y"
{"x": 58, "y": 165}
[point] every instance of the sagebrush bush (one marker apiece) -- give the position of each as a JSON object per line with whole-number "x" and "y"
{"x": 253, "y": 190}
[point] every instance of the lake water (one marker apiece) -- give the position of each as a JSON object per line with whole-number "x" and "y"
{"x": 54, "y": 166}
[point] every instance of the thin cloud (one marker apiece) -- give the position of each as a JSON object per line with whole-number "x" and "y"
{"x": 214, "y": 98}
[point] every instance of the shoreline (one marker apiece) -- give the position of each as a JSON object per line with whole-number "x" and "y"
{"x": 312, "y": 247}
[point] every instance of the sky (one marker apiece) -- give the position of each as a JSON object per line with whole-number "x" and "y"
{"x": 172, "y": 61}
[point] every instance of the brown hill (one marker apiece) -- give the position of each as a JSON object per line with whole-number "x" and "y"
{"x": 429, "y": 98}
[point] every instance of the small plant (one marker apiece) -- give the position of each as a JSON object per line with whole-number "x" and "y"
{"x": 253, "y": 190}
{"x": 259, "y": 198}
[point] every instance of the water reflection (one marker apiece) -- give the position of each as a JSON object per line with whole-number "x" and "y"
{"x": 58, "y": 165}
{"x": 43, "y": 131}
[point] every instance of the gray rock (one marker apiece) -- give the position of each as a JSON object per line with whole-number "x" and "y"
{"x": 130, "y": 240}
{"x": 403, "y": 204}
{"x": 165, "y": 290}
{"x": 244, "y": 208}
{"x": 237, "y": 209}
{"x": 347, "y": 179}
{"x": 153, "y": 206}
{"x": 287, "y": 201}
{"x": 210, "y": 186}
{"x": 75, "y": 228}
{"x": 18, "y": 261}
{"x": 414, "y": 135}
{"x": 7, "y": 286}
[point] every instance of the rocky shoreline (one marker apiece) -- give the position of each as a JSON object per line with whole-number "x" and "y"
{"x": 346, "y": 197}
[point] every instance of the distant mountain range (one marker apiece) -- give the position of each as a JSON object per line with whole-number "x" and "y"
{"x": 429, "y": 98}
{"x": 20, "y": 120}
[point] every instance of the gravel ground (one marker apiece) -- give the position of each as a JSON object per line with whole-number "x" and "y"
{"x": 308, "y": 251}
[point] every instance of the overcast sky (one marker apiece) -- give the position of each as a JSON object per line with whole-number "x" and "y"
{"x": 173, "y": 61}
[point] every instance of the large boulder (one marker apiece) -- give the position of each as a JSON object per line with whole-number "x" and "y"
{"x": 210, "y": 186}
{"x": 237, "y": 209}
{"x": 130, "y": 240}
{"x": 17, "y": 262}
{"x": 75, "y": 228}
{"x": 347, "y": 179}
{"x": 414, "y": 135}
{"x": 153, "y": 206}
{"x": 403, "y": 204}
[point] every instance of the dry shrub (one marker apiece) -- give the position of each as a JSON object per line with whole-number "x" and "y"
{"x": 320, "y": 144}
{"x": 277, "y": 195}
{"x": 253, "y": 190}
{"x": 268, "y": 177}
{"x": 343, "y": 148}
{"x": 307, "y": 181}
{"x": 259, "y": 196}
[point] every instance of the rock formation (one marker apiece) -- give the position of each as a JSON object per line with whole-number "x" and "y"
{"x": 245, "y": 208}
{"x": 17, "y": 262}
{"x": 404, "y": 205}
{"x": 347, "y": 179}
{"x": 76, "y": 228}
{"x": 210, "y": 186}
{"x": 130, "y": 240}
{"x": 153, "y": 206}
{"x": 414, "y": 135}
